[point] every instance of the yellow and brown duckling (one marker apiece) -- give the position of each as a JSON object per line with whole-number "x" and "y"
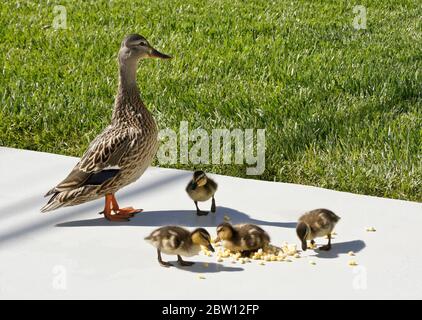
{"x": 174, "y": 240}
{"x": 243, "y": 238}
{"x": 202, "y": 188}
{"x": 314, "y": 224}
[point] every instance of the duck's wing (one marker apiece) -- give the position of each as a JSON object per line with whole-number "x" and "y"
{"x": 99, "y": 163}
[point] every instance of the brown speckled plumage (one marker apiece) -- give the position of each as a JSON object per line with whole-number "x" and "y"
{"x": 122, "y": 152}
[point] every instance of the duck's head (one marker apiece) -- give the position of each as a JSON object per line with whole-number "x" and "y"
{"x": 135, "y": 47}
{"x": 199, "y": 179}
{"x": 201, "y": 237}
{"x": 302, "y": 231}
{"x": 225, "y": 231}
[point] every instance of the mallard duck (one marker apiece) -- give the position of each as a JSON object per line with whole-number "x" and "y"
{"x": 314, "y": 224}
{"x": 123, "y": 151}
{"x": 201, "y": 188}
{"x": 178, "y": 241}
{"x": 243, "y": 238}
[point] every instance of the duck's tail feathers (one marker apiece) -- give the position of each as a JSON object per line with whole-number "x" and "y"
{"x": 50, "y": 192}
{"x": 52, "y": 204}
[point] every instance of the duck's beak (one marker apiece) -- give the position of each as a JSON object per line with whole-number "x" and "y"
{"x": 157, "y": 54}
{"x": 210, "y": 248}
{"x": 304, "y": 245}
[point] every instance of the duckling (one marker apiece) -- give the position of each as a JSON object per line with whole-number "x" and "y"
{"x": 243, "y": 238}
{"x": 179, "y": 241}
{"x": 314, "y": 224}
{"x": 202, "y": 188}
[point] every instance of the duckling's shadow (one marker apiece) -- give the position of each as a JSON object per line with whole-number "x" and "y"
{"x": 199, "y": 267}
{"x": 340, "y": 248}
{"x": 186, "y": 218}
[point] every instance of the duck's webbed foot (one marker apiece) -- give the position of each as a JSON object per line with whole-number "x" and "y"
{"x": 112, "y": 212}
{"x": 161, "y": 262}
{"x": 327, "y": 247}
{"x": 183, "y": 263}
{"x": 199, "y": 212}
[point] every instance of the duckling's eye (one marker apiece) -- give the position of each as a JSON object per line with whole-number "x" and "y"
{"x": 143, "y": 44}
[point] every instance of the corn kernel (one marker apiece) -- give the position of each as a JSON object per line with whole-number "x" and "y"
{"x": 260, "y": 250}
{"x": 227, "y": 218}
{"x": 262, "y": 263}
{"x": 371, "y": 229}
{"x": 205, "y": 264}
{"x": 201, "y": 277}
{"x": 220, "y": 259}
{"x": 352, "y": 263}
{"x": 351, "y": 253}
{"x": 312, "y": 262}
{"x": 297, "y": 255}
{"x": 280, "y": 259}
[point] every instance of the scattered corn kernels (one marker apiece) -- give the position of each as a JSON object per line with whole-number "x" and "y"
{"x": 312, "y": 246}
{"x": 352, "y": 263}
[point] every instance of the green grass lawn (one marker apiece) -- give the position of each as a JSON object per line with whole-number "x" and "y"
{"x": 342, "y": 107}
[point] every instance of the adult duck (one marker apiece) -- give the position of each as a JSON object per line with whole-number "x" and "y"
{"x": 123, "y": 151}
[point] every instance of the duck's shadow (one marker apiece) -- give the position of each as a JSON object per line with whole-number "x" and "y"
{"x": 212, "y": 267}
{"x": 340, "y": 248}
{"x": 186, "y": 218}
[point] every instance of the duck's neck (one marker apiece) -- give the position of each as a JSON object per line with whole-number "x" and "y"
{"x": 128, "y": 106}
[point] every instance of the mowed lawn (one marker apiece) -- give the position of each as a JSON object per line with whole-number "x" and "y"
{"x": 342, "y": 108}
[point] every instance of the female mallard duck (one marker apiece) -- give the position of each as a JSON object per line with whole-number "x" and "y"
{"x": 179, "y": 241}
{"x": 314, "y": 224}
{"x": 243, "y": 238}
{"x": 201, "y": 188}
{"x": 123, "y": 151}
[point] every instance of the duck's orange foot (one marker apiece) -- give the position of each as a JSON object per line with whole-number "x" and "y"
{"x": 129, "y": 210}
{"x": 112, "y": 212}
{"x": 122, "y": 214}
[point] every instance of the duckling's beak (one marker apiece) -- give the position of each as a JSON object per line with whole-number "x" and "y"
{"x": 304, "y": 245}
{"x": 157, "y": 54}
{"x": 217, "y": 239}
{"x": 210, "y": 248}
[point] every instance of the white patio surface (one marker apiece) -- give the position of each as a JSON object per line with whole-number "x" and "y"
{"x": 74, "y": 253}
